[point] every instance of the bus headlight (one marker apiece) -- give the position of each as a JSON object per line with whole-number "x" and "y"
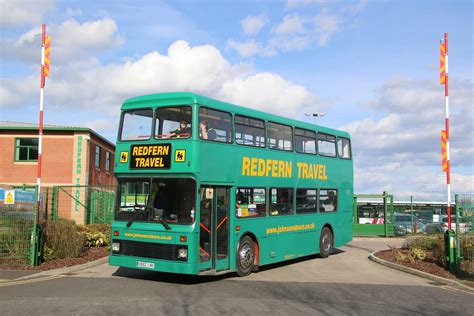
{"x": 116, "y": 247}
{"x": 183, "y": 253}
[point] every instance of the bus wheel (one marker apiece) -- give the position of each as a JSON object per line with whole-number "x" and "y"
{"x": 245, "y": 257}
{"x": 325, "y": 243}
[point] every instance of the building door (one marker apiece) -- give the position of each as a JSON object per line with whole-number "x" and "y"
{"x": 214, "y": 228}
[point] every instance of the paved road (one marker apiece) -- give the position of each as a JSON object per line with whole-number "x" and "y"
{"x": 345, "y": 283}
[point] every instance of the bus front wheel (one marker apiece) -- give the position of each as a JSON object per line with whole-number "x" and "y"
{"x": 325, "y": 243}
{"x": 245, "y": 257}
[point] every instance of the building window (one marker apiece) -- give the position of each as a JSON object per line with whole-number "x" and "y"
{"x": 281, "y": 201}
{"x": 250, "y": 202}
{"x": 26, "y": 149}
{"x": 107, "y": 161}
{"x": 327, "y": 200}
{"x": 97, "y": 156}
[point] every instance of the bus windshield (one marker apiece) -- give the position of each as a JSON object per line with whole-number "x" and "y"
{"x": 136, "y": 125}
{"x": 173, "y": 122}
{"x": 157, "y": 199}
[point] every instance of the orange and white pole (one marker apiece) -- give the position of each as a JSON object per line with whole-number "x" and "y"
{"x": 45, "y": 50}
{"x": 444, "y": 79}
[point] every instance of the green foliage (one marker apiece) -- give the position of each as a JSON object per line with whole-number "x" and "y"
{"x": 418, "y": 253}
{"x": 438, "y": 250}
{"x": 427, "y": 243}
{"x": 400, "y": 256}
{"x": 96, "y": 232}
{"x": 62, "y": 239}
{"x": 96, "y": 239}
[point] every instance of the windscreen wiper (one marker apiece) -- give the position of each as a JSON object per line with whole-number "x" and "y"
{"x": 129, "y": 223}
{"x": 164, "y": 223}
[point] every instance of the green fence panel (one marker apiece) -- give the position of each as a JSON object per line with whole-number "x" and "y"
{"x": 16, "y": 225}
{"x": 465, "y": 233}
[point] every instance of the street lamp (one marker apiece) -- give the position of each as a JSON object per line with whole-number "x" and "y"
{"x": 315, "y": 115}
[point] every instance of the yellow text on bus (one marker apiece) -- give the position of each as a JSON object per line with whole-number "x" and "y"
{"x": 259, "y": 167}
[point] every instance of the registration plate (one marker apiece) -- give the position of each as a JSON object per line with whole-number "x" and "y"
{"x": 142, "y": 264}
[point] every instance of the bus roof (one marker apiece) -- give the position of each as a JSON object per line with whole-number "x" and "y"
{"x": 180, "y": 98}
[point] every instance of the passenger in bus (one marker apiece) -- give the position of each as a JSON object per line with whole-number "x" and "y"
{"x": 203, "y": 130}
{"x": 329, "y": 204}
{"x": 183, "y": 131}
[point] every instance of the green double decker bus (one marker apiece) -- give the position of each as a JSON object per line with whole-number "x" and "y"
{"x": 206, "y": 187}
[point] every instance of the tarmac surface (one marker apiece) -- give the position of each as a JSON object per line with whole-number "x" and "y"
{"x": 345, "y": 283}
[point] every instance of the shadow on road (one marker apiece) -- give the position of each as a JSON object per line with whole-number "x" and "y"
{"x": 298, "y": 260}
{"x": 169, "y": 277}
{"x": 195, "y": 279}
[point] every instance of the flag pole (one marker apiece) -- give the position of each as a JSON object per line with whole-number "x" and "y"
{"x": 448, "y": 159}
{"x": 40, "y": 129}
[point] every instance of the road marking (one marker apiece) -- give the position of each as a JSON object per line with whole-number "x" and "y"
{"x": 19, "y": 282}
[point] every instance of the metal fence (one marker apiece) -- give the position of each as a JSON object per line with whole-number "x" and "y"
{"x": 80, "y": 204}
{"x": 17, "y": 221}
{"x": 465, "y": 233}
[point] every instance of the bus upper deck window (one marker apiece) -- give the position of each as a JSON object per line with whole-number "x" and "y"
{"x": 326, "y": 145}
{"x": 217, "y": 125}
{"x": 136, "y": 125}
{"x": 344, "y": 148}
{"x": 173, "y": 122}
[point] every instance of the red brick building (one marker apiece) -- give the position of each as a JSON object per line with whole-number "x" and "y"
{"x": 72, "y": 157}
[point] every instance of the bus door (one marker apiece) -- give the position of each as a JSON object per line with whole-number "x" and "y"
{"x": 214, "y": 228}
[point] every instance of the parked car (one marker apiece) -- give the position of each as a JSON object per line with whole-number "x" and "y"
{"x": 405, "y": 223}
{"x": 434, "y": 228}
{"x": 464, "y": 227}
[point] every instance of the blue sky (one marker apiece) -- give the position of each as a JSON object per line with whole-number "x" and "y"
{"x": 370, "y": 66}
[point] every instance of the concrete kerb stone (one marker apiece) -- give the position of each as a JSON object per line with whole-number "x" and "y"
{"x": 418, "y": 272}
{"x": 66, "y": 270}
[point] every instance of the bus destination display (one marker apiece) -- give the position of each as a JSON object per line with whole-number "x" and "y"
{"x": 150, "y": 156}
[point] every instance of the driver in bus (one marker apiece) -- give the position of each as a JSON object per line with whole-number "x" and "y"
{"x": 183, "y": 131}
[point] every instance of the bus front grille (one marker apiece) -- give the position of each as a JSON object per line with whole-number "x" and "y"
{"x": 148, "y": 250}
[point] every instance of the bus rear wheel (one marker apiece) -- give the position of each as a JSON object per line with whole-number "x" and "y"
{"x": 325, "y": 243}
{"x": 245, "y": 257}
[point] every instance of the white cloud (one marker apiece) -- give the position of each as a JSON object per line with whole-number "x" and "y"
{"x": 250, "y": 48}
{"x": 201, "y": 69}
{"x": 14, "y": 12}
{"x": 253, "y": 24}
{"x": 259, "y": 90}
{"x": 292, "y": 4}
{"x": 70, "y": 41}
{"x": 292, "y": 24}
{"x": 325, "y": 26}
{"x": 402, "y": 149}
{"x": 294, "y": 33}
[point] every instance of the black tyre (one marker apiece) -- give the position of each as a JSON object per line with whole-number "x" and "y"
{"x": 325, "y": 243}
{"x": 245, "y": 257}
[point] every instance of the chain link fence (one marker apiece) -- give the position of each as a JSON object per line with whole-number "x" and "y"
{"x": 81, "y": 204}
{"x": 74, "y": 204}
{"x": 17, "y": 221}
{"x": 464, "y": 230}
